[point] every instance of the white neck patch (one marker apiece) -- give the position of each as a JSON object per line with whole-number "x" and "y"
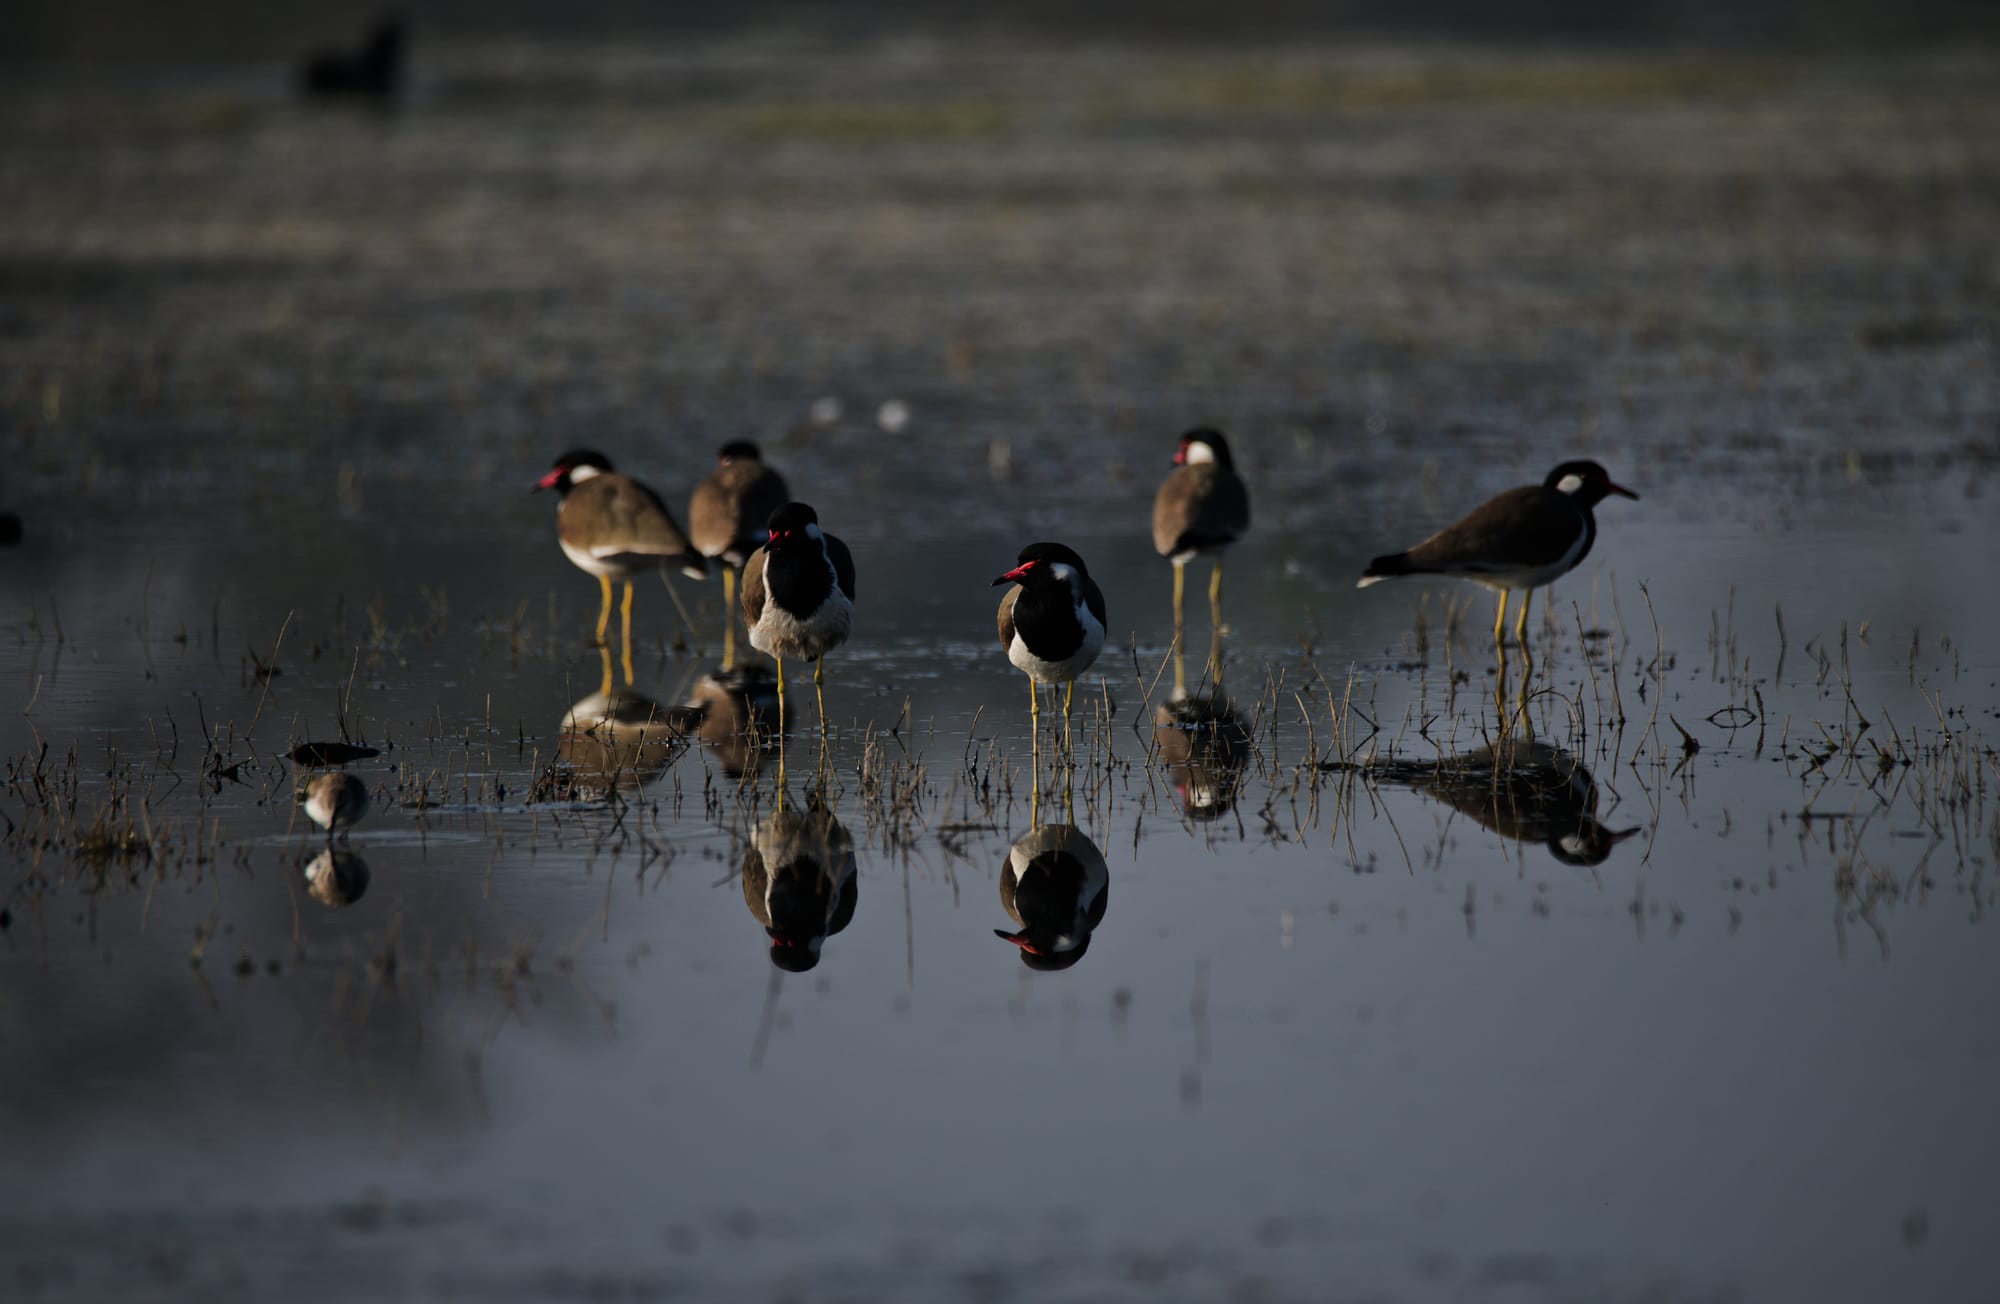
{"x": 1199, "y": 452}
{"x": 578, "y": 474}
{"x": 1569, "y": 484}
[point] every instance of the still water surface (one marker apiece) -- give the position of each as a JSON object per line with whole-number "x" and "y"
{"x": 1358, "y": 1031}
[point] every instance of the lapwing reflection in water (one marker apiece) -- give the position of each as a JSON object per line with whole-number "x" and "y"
{"x": 611, "y": 742}
{"x": 1202, "y": 741}
{"x": 1056, "y": 885}
{"x": 337, "y": 878}
{"x": 734, "y": 714}
{"x": 798, "y": 880}
{"x": 1523, "y": 790}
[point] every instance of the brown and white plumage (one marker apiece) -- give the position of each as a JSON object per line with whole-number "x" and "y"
{"x": 729, "y": 518}
{"x": 1052, "y": 626}
{"x": 613, "y": 527}
{"x": 1202, "y": 506}
{"x": 798, "y": 593}
{"x": 336, "y": 801}
{"x": 1518, "y": 540}
{"x": 729, "y": 515}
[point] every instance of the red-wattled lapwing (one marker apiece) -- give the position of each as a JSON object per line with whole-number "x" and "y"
{"x": 798, "y": 595}
{"x": 1523, "y": 539}
{"x": 1201, "y": 507}
{"x": 798, "y": 880}
{"x": 728, "y": 519}
{"x": 1052, "y": 626}
{"x": 1056, "y": 886}
{"x": 613, "y": 527}
{"x": 336, "y": 801}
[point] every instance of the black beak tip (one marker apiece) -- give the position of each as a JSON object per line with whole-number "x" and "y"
{"x": 1002, "y": 580}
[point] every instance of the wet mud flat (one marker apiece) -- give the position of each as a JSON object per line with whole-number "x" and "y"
{"x": 1653, "y": 963}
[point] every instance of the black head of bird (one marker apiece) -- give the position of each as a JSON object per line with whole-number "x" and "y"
{"x": 572, "y": 469}
{"x": 1586, "y": 482}
{"x": 1044, "y": 563}
{"x": 738, "y": 450}
{"x": 1203, "y": 445}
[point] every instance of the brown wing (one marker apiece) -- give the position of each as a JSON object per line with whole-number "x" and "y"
{"x": 730, "y": 508}
{"x": 615, "y": 515}
{"x": 1007, "y": 617}
{"x": 753, "y": 587}
{"x": 712, "y": 515}
{"x": 1522, "y": 529}
{"x": 756, "y": 882}
{"x": 1199, "y": 506}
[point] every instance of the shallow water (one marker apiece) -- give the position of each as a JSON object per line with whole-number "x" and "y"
{"x": 275, "y": 383}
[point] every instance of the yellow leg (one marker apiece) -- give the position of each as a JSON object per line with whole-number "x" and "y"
{"x": 1035, "y": 715}
{"x": 1215, "y": 595}
{"x": 1521, "y": 618}
{"x": 1180, "y": 673}
{"x": 819, "y": 693}
{"x": 781, "y": 705}
{"x": 1500, "y": 620}
{"x": 625, "y": 618}
{"x": 1180, "y": 582}
{"x": 728, "y": 617}
{"x": 604, "y": 610}
{"x": 1215, "y": 659}
{"x": 1069, "y": 696}
{"x": 604, "y": 683}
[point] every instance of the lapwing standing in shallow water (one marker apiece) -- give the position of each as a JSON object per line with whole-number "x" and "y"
{"x": 798, "y": 595}
{"x": 1201, "y": 507}
{"x": 336, "y": 801}
{"x": 728, "y": 520}
{"x": 1523, "y": 539}
{"x": 1052, "y": 626}
{"x": 613, "y": 527}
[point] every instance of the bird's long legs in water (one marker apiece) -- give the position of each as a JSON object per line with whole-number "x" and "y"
{"x": 1180, "y": 583}
{"x": 728, "y": 618}
{"x": 625, "y": 643}
{"x": 1215, "y": 594}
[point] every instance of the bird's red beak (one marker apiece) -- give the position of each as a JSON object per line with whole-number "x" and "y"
{"x": 551, "y": 480}
{"x": 1621, "y": 490}
{"x": 1014, "y": 576}
{"x": 1019, "y": 939}
{"x": 1180, "y": 455}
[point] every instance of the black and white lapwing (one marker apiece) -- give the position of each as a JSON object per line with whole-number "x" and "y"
{"x": 728, "y": 519}
{"x": 1052, "y": 625}
{"x": 1202, "y": 507}
{"x": 1523, "y": 539}
{"x": 1056, "y": 886}
{"x": 798, "y": 595}
{"x": 613, "y": 527}
{"x": 336, "y": 801}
